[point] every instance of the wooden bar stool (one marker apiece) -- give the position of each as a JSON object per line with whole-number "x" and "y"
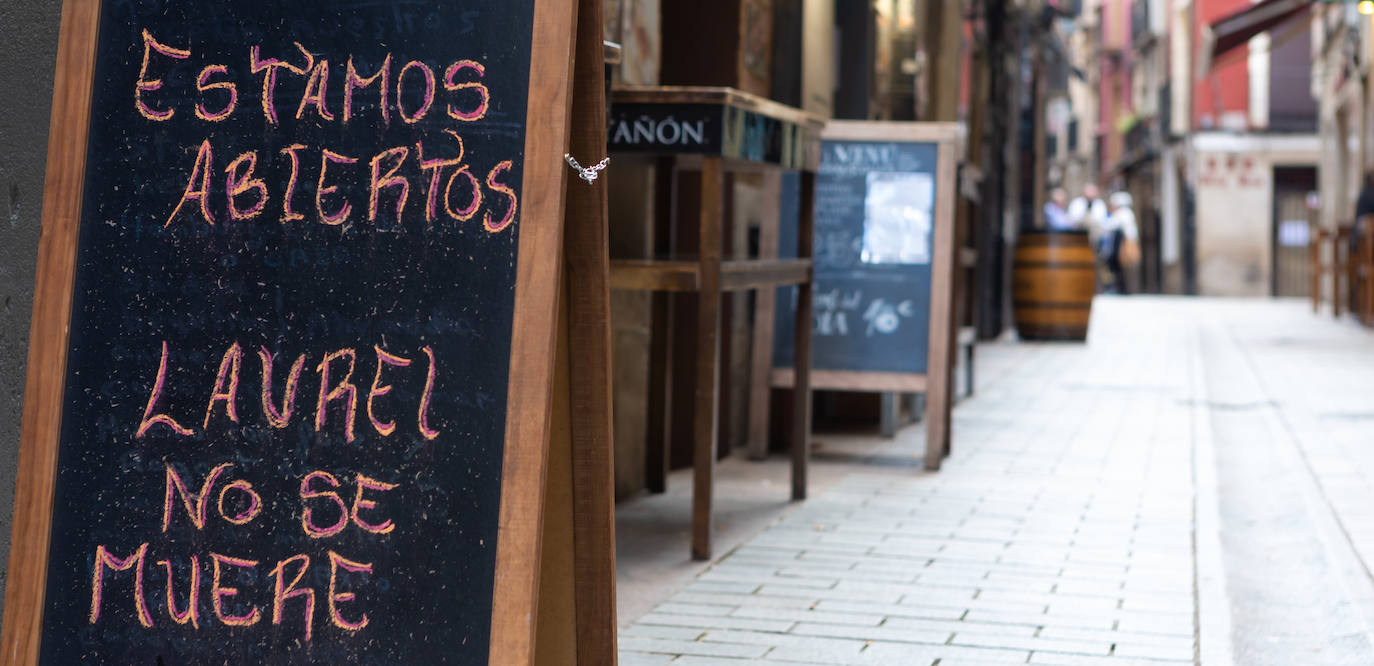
{"x": 1338, "y": 267}
{"x": 1362, "y": 272}
{"x": 713, "y": 131}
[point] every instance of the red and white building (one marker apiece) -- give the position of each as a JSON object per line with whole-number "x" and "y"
{"x": 1251, "y": 147}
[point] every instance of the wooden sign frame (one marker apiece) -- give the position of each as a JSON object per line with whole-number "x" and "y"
{"x": 937, "y": 381}
{"x": 546, "y": 281}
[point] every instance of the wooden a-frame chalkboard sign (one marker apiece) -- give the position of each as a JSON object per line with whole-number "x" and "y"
{"x": 306, "y": 327}
{"x": 883, "y": 313}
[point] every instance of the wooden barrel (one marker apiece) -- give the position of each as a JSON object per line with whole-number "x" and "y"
{"x": 1054, "y": 277}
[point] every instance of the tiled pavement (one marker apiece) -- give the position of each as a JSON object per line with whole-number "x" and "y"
{"x": 1062, "y": 529}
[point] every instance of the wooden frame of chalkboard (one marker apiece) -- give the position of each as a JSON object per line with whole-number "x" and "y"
{"x": 531, "y": 408}
{"x": 936, "y": 381}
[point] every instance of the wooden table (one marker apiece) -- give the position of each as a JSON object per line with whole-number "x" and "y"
{"x": 714, "y": 131}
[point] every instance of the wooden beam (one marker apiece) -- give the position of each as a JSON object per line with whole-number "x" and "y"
{"x": 515, "y": 594}
{"x": 587, "y": 248}
{"x": 939, "y": 367}
{"x": 943, "y": 43}
{"x": 845, "y": 380}
{"x": 764, "y": 274}
{"x": 683, "y": 276}
{"x": 556, "y": 634}
{"x": 650, "y": 275}
{"x": 48, "y": 332}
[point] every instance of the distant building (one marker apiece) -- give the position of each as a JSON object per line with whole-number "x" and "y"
{"x": 1254, "y": 147}
{"x": 1341, "y": 42}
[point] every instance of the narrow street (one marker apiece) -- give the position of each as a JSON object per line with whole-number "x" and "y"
{"x": 1192, "y": 486}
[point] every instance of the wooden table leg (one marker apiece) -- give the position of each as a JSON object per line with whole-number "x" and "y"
{"x": 1351, "y": 259}
{"x": 1318, "y": 237}
{"x": 1338, "y": 271}
{"x": 887, "y": 414}
{"x": 1367, "y": 261}
{"x": 801, "y": 357}
{"x": 916, "y": 406}
{"x": 658, "y": 436}
{"x": 761, "y": 370}
{"x": 708, "y": 355}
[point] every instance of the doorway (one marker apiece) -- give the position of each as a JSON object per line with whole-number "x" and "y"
{"x": 1291, "y": 231}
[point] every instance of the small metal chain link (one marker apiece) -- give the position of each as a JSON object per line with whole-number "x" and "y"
{"x": 589, "y": 174}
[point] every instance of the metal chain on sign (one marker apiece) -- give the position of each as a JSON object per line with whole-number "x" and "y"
{"x": 589, "y": 174}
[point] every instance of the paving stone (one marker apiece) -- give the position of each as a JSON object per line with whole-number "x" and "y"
{"x": 712, "y": 661}
{"x": 714, "y": 622}
{"x": 1167, "y": 643}
{"x": 645, "y": 659}
{"x": 679, "y": 608}
{"x": 764, "y": 577}
{"x": 1057, "y": 659}
{"x": 1033, "y": 643}
{"x": 699, "y": 648}
{"x": 877, "y": 565}
{"x": 947, "y": 661}
{"x": 1172, "y": 626}
{"x": 798, "y": 647}
{"x": 898, "y": 654}
{"x": 1041, "y": 619}
{"x": 956, "y": 626}
{"x": 839, "y": 559}
{"x": 894, "y": 610}
{"x": 1170, "y": 604}
{"x": 888, "y": 576}
{"x": 761, "y": 550}
{"x": 811, "y": 567}
{"x": 828, "y": 617}
{"x": 891, "y": 634}
{"x": 1180, "y": 651}
{"x": 658, "y": 631}
{"x": 1090, "y": 589}
{"x": 723, "y": 587}
{"x": 868, "y": 657}
{"x": 737, "y": 600}
{"x": 839, "y": 592}
{"x": 999, "y": 605}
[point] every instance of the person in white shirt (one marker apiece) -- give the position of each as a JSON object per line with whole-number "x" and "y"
{"x": 1088, "y": 211}
{"x": 1120, "y": 244}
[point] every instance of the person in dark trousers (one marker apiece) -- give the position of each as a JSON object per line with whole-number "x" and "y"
{"x": 1364, "y": 205}
{"x": 1120, "y": 243}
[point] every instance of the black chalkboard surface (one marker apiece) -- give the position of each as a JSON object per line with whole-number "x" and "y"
{"x": 286, "y": 388}
{"x": 874, "y": 246}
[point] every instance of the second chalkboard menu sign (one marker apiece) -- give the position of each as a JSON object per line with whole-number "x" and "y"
{"x": 289, "y": 384}
{"x": 884, "y": 256}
